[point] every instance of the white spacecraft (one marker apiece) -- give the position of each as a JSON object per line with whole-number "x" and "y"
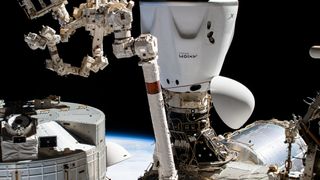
{"x": 193, "y": 39}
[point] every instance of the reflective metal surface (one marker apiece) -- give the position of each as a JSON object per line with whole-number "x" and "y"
{"x": 263, "y": 142}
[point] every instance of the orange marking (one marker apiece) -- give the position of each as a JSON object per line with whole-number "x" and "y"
{"x": 153, "y": 88}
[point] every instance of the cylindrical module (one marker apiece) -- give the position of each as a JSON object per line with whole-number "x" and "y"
{"x": 167, "y": 170}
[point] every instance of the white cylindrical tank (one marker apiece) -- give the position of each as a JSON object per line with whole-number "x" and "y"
{"x": 263, "y": 142}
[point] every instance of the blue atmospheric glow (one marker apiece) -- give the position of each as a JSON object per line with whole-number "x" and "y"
{"x": 121, "y": 135}
{"x": 140, "y": 147}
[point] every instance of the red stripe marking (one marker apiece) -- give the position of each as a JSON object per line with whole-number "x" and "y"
{"x": 153, "y": 88}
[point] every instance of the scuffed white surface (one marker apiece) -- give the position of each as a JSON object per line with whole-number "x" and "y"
{"x": 115, "y": 153}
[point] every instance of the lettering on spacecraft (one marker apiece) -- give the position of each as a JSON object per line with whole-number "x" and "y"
{"x": 186, "y": 55}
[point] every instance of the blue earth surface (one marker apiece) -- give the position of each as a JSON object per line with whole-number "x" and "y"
{"x": 141, "y": 149}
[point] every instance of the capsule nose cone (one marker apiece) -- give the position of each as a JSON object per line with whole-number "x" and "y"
{"x": 233, "y": 102}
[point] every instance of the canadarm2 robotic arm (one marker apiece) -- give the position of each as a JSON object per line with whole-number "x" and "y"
{"x": 100, "y": 18}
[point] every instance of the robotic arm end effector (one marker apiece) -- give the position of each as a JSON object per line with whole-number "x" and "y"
{"x": 46, "y": 36}
{"x": 146, "y": 47}
{"x": 35, "y": 41}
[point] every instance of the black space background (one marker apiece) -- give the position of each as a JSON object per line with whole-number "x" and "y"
{"x": 269, "y": 54}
